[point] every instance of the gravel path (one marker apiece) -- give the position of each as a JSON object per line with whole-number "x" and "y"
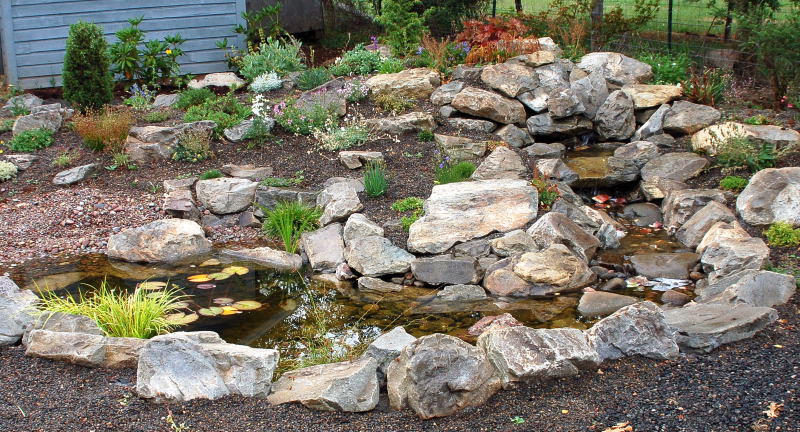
{"x": 727, "y": 390}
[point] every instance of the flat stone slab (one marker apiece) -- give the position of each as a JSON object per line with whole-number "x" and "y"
{"x": 704, "y": 327}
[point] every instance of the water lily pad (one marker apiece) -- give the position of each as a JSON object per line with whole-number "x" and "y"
{"x": 211, "y": 311}
{"x": 181, "y": 318}
{"x": 247, "y": 305}
{"x": 181, "y": 305}
{"x": 199, "y": 278}
{"x": 210, "y": 262}
{"x": 152, "y": 285}
{"x": 223, "y": 300}
{"x": 236, "y": 270}
{"x": 230, "y": 310}
{"x": 206, "y": 286}
{"x": 219, "y": 276}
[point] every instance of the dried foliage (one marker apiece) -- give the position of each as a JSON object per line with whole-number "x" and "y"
{"x": 104, "y": 130}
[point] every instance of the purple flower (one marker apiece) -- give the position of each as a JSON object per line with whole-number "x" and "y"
{"x": 441, "y": 165}
{"x": 374, "y": 40}
{"x": 420, "y": 50}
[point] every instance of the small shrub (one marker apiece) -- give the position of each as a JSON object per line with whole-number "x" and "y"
{"x": 31, "y": 140}
{"x": 548, "y": 192}
{"x": 667, "y": 68}
{"x": 156, "y": 116}
{"x": 7, "y": 171}
{"x": 141, "y": 314}
{"x": 87, "y": 82}
{"x": 759, "y": 119}
{"x": 106, "y": 129}
{"x": 192, "y": 97}
{"x": 6, "y": 125}
{"x": 194, "y": 145}
{"x": 425, "y": 135}
{"x": 210, "y": 174}
{"x": 153, "y": 62}
{"x": 355, "y": 90}
{"x": 18, "y": 108}
{"x": 496, "y": 39}
{"x": 284, "y": 182}
{"x": 333, "y": 138}
{"x": 738, "y": 151}
{"x": 140, "y": 97}
{"x": 288, "y": 221}
{"x": 733, "y": 183}
{"x": 359, "y": 61}
{"x": 403, "y": 25}
{"x": 226, "y": 111}
{"x": 706, "y": 87}
{"x": 441, "y": 55}
{"x": 407, "y": 221}
{"x": 313, "y": 78}
{"x": 266, "y": 82}
{"x": 393, "y": 103}
{"x": 455, "y": 173}
{"x": 391, "y": 65}
{"x": 280, "y": 56}
{"x": 258, "y": 134}
{"x": 65, "y": 159}
{"x": 408, "y": 204}
{"x": 301, "y": 121}
{"x": 375, "y": 183}
{"x": 121, "y": 159}
{"x": 783, "y": 234}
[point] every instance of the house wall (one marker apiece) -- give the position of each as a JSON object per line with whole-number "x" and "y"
{"x": 34, "y": 32}
{"x": 297, "y": 16}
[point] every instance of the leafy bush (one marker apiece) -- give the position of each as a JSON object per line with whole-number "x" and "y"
{"x": 141, "y": 314}
{"x": 87, "y": 83}
{"x": 6, "y": 125}
{"x": 288, "y": 221}
{"x": 375, "y": 183}
{"x": 548, "y": 192}
{"x": 193, "y": 97}
{"x": 783, "y": 234}
{"x": 280, "y": 56}
{"x": 738, "y": 151}
{"x": 31, "y": 140}
{"x": 355, "y": 90}
{"x": 408, "y": 204}
{"x": 391, "y": 65}
{"x": 759, "y": 119}
{"x": 210, "y": 174}
{"x": 359, "y": 61}
{"x": 733, "y": 183}
{"x": 403, "y": 26}
{"x": 194, "y": 145}
{"x": 7, "y": 171}
{"x": 301, "y": 121}
{"x": 444, "y": 17}
{"x": 156, "y": 116}
{"x": 157, "y": 62}
{"x": 313, "y": 78}
{"x": 106, "y": 129}
{"x": 393, "y": 102}
{"x": 258, "y": 134}
{"x": 441, "y": 55}
{"x": 425, "y": 135}
{"x": 333, "y": 138}
{"x": 667, "y": 68}
{"x": 706, "y": 87}
{"x": 226, "y": 111}
{"x": 266, "y": 82}
{"x": 446, "y": 173}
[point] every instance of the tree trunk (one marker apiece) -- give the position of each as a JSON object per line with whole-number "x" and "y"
{"x": 597, "y": 24}
{"x": 518, "y": 5}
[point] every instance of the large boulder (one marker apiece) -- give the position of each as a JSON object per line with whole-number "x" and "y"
{"x": 709, "y": 139}
{"x": 772, "y": 195}
{"x": 545, "y": 126}
{"x": 377, "y": 256}
{"x": 758, "y": 288}
{"x": 458, "y": 212}
{"x": 26, "y": 100}
{"x": 652, "y": 95}
{"x": 181, "y": 366}
{"x": 359, "y": 226}
{"x": 84, "y": 349}
{"x": 679, "y": 166}
{"x": 405, "y": 123}
{"x": 731, "y": 255}
{"x": 639, "y": 152}
{"x": 614, "y": 119}
{"x": 339, "y": 200}
{"x": 523, "y": 354}
{"x": 388, "y": 347}
{"x": 564, "y": 102}
{"x": 486, "y": 104}
{"x": 15, "y": 311}
{"x": 446, "y": 270}
{"x": 225, "y": 195}
{"x": 638, "y": 329}
{"x": 165, "y": 240}
{"x": 445, "y": 94}
{"x": 692, "y": 231}
{"x": 704, "y": 327}
{"x": 556, "y": 170}
{"x": 687, "y": 117}
{"x": 413, "y": 83}
{"x": 62, "y": 322}
{"x": 514, "y": 136}
{"x": 267, "y": 257}
{"x": 556, "y": 228}
{"x": 510, "y": 79}
{"x": 50, "y": 120}
{"x": 599, "y": 303}
{"x": 602, "y": 171}
{"x": 438, "y": 375}
{"x": 513, "y": 243}
{"x": 617, "y": 69}
{"x": 555, "y": 269}
{"x": 219, "y": 79}
{"x": 654, "y": 126}
{"x": 679, "y": 206}
{"x": 719, "y": 231}
{"x": 169, "y": 135}
{"x": 459, "y": 148}
{"x": 346, "y": 386}
{"x": 502, "y": 163}
{"x": 324, "y": 248}
{"x": 592, "y": 91}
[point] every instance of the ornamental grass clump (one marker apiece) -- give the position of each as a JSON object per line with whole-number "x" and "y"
{"x": 141, "y": 314}
{"x": 375, "y": 183}
{"x": 459, "y": 172}
{"x": 288, "y": 221}
{"x": 101, "y": 130}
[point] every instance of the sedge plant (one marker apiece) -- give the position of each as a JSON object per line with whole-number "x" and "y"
{"x": 288, "y": 221}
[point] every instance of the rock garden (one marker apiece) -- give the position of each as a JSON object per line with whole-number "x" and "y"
{"x": 421, "y": 230}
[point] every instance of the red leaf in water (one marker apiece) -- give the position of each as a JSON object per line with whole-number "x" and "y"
{"x": 602, "y": 198}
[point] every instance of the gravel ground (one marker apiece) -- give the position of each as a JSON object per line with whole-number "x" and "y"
{"x": 727, "y": 390}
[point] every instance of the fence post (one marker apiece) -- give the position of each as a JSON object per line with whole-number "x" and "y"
{"x": 494, "y": 7}
{"x": 669, "y": 27}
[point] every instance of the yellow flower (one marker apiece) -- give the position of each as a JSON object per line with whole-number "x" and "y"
{"x": 168, "y": 51}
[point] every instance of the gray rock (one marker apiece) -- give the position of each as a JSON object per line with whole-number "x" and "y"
{"x": 556, "y": 170}
{"x": 758, "y": 288}
{"x": 445, "y": 270}
{"x": 538, "y": 58}
{"x": 616, "y": 68}
{"x": 474, "y": 248}
{"x": 377, "y": 256}
{"x": 267, "y": 257}
{"x": 402, "y": 124}
{"x": 543, "y": 125}
{"x": 536, "y": 100}
{"x": 599, "y": 304}
{"x": 181, "y": 366}
{"x": 602, "y": 171}
{"x": 514, "y": 136}
{"x": 589, "y": 219}
{"x": 687, "y": 118}
{"x": 143, "y": 153}
{"x": 493, "y": 322}
{"x": 675, "y": 265}
{"x": 675, "y": 298}
{"x": 546, "y": 151}
{"x": 74, "y": 175}
{"x": 438, "y": 375}
{"x": 614, "y": 119}
{"x": 463, "y": 211}
{"x": 15, "y": 311}
{"x": 21, "y": 161}
{"x": 642, "y": 214}
{"x": 377, "y": 286}
{"x": 62, "y": 322}
{"x": 556, "y": 228}
{"x": 719, "y": 231}
{"x": 345, "y": 386}
{"x": 165, "y": 100}
{"x": 356, "y": 159}
{"x": 522, "y": 354}
{"x": 663, "y": 141}
{"x": 653, "y": 126}
{"x": 461, "y": 293}
{"x": 445, "y": 94}
{"x": 638, "y": 329}
{"x": 359, "y": 226}
{"x": 339, "y": 201}
{"x": 460, "y": 149}
{"x": 219, "y": 79}
{"x": 239, "y": 132}
{"x": 471, "y": 125}
{"x": 269, "y": 197}
{"x": 772, "y": 195}
{"x": 468, "y": 73}
{"x": 692, "y": 231}
{"x": 324, "y": 247}
{"x": 657, "y": 188}
{"x": 165, "y": 240}
{"x": 510, "y": 79}
{"x": 564, "y": 102}
{"x": 249, "y": 172}
{"x": 640, "y": 152}
{"x": 652, "y": 95}
{"x": 412, "y": 83}
{"x": 26, "y": 100}
{"x": 387, "y": 347}
{"x": 704, "y": 327}
{"x": 513, "y": 243}
{"x": 553, "y": 76}
{"x": 225, "y": 195}
{"x": 554, "y": 269}
{"x": 679, "y": 206}
{"x": 492, "y": 106}
{"x": 502, "y": 163}
{"x": 169, "y": 135}
{"x": 679, "y": 166}
{"x": 50, "y": 120}
{"x": 84, "y": 349}
{"x": 592, "y": 91}
{"x": 329, "y": 96}
{"x": 731, "y": 255}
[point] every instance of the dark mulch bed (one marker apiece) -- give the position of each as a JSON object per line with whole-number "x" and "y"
{"x": 727, "y": 390}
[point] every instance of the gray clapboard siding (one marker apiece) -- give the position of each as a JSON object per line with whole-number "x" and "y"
{"x": 33, "y": 33}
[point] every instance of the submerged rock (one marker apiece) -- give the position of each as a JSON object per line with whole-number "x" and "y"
{"x": 674, "y": 265}
{"x": 598, "y": 303}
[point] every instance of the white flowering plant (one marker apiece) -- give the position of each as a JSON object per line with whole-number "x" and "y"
{"x": 333, "y": 137}
{"x": 7, "y": 171}
{"x": 266, "y": 82}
